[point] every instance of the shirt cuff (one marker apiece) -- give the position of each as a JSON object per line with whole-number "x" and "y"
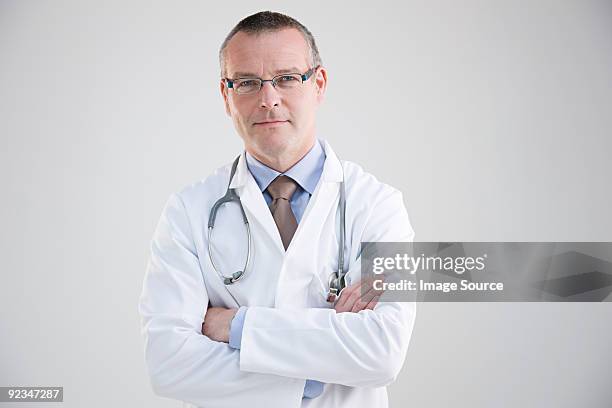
{"x": 312, "y": 389}
{"x": 235, "y": 335}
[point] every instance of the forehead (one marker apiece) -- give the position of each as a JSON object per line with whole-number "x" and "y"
{"x": 267, "y": 53}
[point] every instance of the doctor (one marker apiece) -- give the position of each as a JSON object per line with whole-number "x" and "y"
{"x": 271, "y": 338}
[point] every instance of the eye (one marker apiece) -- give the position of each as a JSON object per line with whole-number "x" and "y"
{"x": 287, "y": 78}
{"x": 246, "y": 82}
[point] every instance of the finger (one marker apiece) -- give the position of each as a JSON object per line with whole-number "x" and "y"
{"x": 349, "y": 300}
{"x": 367, "y": 297}
{"x": 358, "y": 306}
{"x": 372, "y": 303}
{"x": 349, "y": 289}
{"x": 364, "y": 299}
{"x": 346, "y": 305}
{"x": 361, "y": 299}
{"x": 353, "y": 300}
{"x": 345, "y": 295}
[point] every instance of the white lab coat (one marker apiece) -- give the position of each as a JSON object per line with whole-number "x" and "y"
{"x": 290, "y": 332}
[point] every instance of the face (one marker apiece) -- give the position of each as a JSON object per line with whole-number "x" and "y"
{"x": 275, "y": 124}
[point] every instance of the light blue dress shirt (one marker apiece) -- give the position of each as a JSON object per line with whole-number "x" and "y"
{"x": 306, "y": 173}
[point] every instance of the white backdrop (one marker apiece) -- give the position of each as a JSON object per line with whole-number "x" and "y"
{"x": 493, "y": 117}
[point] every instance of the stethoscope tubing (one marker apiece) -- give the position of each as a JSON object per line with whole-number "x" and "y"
{"x": 337, "y": 279}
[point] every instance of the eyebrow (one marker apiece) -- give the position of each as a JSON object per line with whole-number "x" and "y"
{"x": 279, "y": 71}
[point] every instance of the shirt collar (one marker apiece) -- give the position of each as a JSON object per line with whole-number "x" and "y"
{"x": 305, "y": 172}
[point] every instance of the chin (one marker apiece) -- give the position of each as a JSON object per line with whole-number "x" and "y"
{"x": 274, "y": 143}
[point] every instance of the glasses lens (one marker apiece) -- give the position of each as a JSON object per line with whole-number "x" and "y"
{"x": 244, "y": 86}
{"x": 288, "y": 81}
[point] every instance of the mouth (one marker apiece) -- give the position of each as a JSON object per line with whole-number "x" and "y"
{"x": 271, "y": 123}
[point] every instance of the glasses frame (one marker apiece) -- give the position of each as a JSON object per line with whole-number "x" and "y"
{"x": 229, "y": 82}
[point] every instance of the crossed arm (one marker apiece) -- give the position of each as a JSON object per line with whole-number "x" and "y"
{"x": 184, "y": 364}
{"x": 219, "y": 324}
{"x": 217, "y": 321}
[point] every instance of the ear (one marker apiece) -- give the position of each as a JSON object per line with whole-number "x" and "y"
{"x": 224, "y": 93}
{"x": 321, "y": 84}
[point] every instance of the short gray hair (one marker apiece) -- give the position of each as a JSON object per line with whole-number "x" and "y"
{"x": 266, "y": 21}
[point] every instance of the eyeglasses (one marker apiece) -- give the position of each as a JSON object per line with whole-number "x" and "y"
{"x": 289, "y": 81}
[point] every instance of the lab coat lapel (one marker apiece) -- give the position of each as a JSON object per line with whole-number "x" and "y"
{"x": 326, "y": 195}
{"x": 319, "y": 205}
{"x": 254, "y": 203}
{"x": 317, "y": 226}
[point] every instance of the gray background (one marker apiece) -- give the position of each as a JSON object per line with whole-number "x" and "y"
{"x": 493, "y": 117}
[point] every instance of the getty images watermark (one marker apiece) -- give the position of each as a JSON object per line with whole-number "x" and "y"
{"x": 487, "y": 271}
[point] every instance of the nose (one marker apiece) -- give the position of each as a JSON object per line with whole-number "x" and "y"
{"x": 269, "y": 96}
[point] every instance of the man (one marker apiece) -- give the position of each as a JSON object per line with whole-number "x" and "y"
{"x": 271, "y": 338}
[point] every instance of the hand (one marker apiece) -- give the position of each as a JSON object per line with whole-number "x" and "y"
{"x": 217, "y": 322}
{"x": 351, "y": 299}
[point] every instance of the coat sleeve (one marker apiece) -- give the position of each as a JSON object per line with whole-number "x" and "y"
{"x": 181, "y": 362}
{"x": 354, "y": 349}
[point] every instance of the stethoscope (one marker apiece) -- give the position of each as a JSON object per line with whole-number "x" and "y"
{"x": 337, "y": 280}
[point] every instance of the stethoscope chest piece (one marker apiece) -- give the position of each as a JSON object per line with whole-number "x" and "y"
{"x": 234, "y": 278}
{"x": 336, "y": 285}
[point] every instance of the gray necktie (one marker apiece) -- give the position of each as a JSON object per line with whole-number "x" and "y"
{"x": 281, "y": 190}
